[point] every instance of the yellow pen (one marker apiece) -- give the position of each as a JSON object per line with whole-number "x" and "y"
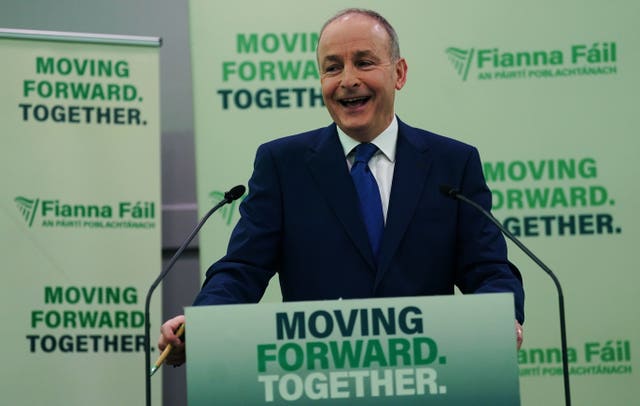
{"x": 166, "y": 352}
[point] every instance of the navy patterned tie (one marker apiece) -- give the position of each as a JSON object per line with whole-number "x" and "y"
{"x": 369, "y": 194}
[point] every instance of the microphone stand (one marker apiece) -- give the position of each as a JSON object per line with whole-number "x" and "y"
{"x": 563, "y": 330}
{"x": 229, "y": 196}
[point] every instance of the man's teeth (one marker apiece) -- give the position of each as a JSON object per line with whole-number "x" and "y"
{"x": 354, "y": 100}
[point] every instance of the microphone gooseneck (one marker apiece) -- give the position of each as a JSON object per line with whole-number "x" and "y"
{"x": 233, "y": 194}
{"x": 456, "y": 194}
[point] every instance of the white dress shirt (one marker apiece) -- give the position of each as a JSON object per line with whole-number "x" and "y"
{"x": 383, "y": 161}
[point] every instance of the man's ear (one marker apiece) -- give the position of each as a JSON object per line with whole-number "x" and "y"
{"x": 401, "y": 73}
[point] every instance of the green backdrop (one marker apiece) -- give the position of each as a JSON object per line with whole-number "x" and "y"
{"x": 545, "y": 90}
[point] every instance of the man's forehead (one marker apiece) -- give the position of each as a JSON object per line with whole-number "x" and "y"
{"x": 356, "y": 44}
{"x": 355, "y": 54}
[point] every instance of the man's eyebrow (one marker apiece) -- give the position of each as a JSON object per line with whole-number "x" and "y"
{"x": 356, "y": 55}
{"x": 331, "y": 58}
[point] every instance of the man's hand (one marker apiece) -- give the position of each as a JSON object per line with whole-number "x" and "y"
{"x": 518, "y": 335}
{"x": 167, "y": 335}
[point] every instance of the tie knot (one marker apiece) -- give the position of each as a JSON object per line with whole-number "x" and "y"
{"x": 364, "y": 152}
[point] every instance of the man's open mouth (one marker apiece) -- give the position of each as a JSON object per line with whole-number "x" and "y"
{"x": 355, "y": 101}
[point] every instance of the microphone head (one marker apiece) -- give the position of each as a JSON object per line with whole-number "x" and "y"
{"x": 449, "y": 191}
{"x": 235, "y": 193}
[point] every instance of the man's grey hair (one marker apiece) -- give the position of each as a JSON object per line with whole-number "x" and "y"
{"x": 394, "y": 43}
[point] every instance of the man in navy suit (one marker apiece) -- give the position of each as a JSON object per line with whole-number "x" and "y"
{"x": 303, "y": 216}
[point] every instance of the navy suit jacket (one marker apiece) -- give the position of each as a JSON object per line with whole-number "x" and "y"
{"x": 301, "y": 219}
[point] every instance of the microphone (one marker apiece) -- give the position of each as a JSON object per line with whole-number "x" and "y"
{"x": 454, "y": 193}
{"x": 233, "y": 194}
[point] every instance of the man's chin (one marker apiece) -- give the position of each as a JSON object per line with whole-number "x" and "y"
{"x": 359, "y": 132}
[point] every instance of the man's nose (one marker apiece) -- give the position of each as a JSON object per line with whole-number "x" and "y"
{"x": 350, "y": 77}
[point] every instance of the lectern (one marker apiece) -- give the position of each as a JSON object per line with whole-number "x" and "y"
{"x": 439, "y": 350}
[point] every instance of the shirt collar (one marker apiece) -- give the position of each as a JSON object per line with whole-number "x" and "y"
{"x": 385, "y": 141}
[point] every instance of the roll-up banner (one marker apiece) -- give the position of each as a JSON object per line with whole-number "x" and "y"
{"x": 80, "y": 215}
{"x": 545, "y": 90}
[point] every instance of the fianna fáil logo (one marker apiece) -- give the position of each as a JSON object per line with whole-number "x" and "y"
{"x": 56, "y": 213}
{"x": 596, "y": 59}
{"x": 461, "y": 60}
{"x": 28, "y": 208}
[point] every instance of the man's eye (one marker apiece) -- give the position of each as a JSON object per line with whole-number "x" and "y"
{"x": 331, "y": 69}
{"x": 364, "y": 64}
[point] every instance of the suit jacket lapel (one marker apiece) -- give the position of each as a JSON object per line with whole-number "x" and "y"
{"x": 329, "y": 169}
{"x": 410, "y": 173}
